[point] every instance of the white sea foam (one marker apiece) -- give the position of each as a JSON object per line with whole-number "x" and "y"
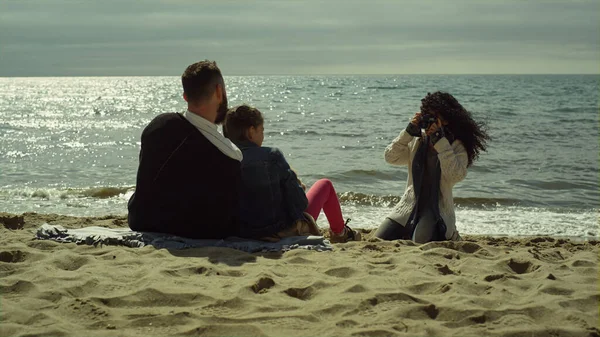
{"x": 512, "y": 220}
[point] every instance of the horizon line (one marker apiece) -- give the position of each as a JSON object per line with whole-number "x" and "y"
{"x": 317, "y": 74}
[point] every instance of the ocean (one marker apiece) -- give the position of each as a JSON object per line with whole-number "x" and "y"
{"x": 70, "y": 145}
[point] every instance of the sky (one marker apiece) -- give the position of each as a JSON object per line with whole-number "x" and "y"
{"x": 162, "y": 37}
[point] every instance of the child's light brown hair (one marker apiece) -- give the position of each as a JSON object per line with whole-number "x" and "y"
{"x": 239, "y": 120}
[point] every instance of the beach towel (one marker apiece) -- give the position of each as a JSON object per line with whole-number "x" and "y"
{"x": 95, "y": 235}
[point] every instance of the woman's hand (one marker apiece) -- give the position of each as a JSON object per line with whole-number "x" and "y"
{"x": 413, "y": 128}
{"x": 416, "y": 119}
{"x": 434, "y": 127}
{"x": 435, "y": 132}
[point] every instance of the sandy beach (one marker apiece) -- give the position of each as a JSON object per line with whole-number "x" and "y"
{"x": 482, "y": 286}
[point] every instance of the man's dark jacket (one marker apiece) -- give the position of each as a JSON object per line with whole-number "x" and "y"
{"x": 185, "y": 185}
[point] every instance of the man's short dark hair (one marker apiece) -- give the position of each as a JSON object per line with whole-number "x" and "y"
{"x": 200, "y": 80}
{"x": 239, "y": 120}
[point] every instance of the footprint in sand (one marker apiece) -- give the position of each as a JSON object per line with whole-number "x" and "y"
{"x": 522, "y": 266}
{"x": 261, "y": 286}
{"x": 583, "y": 263}
{"x": 299, "y": 260}
{"x": 300, "y": 293}
{"x": 14, "y": 256}
{"x": 479, "y": 319}
{"x": 468, "y": 247}
{"x": 432, "y": 311}
{"x": 347, "y": 323}
{"x": 71, "y": 262}
{"x": 11, "y": 221}
{"x": 18, "y": 288}
{"x": 494, "y": 277}
{"x": 445, "y": 270}
{"x": 451, "y": 256}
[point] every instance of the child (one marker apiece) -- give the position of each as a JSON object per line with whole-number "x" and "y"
{"x": 273, "y": 203}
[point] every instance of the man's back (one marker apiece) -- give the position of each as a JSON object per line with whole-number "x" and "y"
{"x": 185, "y": 185}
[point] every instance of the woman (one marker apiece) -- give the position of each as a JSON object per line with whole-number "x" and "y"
{"x": 439, "y": 144}
{"x": 273, "y": 202}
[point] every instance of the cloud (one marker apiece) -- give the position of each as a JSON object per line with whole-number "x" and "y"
{"x": 279, "y": 37}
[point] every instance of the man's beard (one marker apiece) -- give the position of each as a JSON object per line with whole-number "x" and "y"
{"x": 222, "y": 111}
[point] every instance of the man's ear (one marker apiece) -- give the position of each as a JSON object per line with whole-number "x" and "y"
{"x": 185, "y": 97}
{"x": 219, "y": 91}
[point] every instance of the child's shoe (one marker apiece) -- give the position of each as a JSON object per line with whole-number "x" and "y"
{"x": 348, "y": 234}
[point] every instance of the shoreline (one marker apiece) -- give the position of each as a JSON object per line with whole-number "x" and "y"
{"x": 120, "y": 220}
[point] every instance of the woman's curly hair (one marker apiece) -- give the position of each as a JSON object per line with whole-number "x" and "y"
{"x": 472, "y": 134}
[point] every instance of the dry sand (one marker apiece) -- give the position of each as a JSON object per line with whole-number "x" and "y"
{"x": 479, "y": 287}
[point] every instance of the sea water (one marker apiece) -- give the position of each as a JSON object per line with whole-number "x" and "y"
{"x": 70, "y": 145}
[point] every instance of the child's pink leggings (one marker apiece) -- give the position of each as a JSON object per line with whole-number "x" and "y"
{"x": 322, "y": 196}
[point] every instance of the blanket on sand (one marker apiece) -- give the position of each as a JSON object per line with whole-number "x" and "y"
{"x": 94, "y": 235}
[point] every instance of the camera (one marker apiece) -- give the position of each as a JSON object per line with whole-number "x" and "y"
{"x": 426, "y": 121}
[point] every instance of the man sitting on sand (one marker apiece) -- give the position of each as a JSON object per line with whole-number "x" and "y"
{"x": 189, "y": 174}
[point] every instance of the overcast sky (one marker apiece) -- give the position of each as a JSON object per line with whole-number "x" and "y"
{"x": 153, "y": 37}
